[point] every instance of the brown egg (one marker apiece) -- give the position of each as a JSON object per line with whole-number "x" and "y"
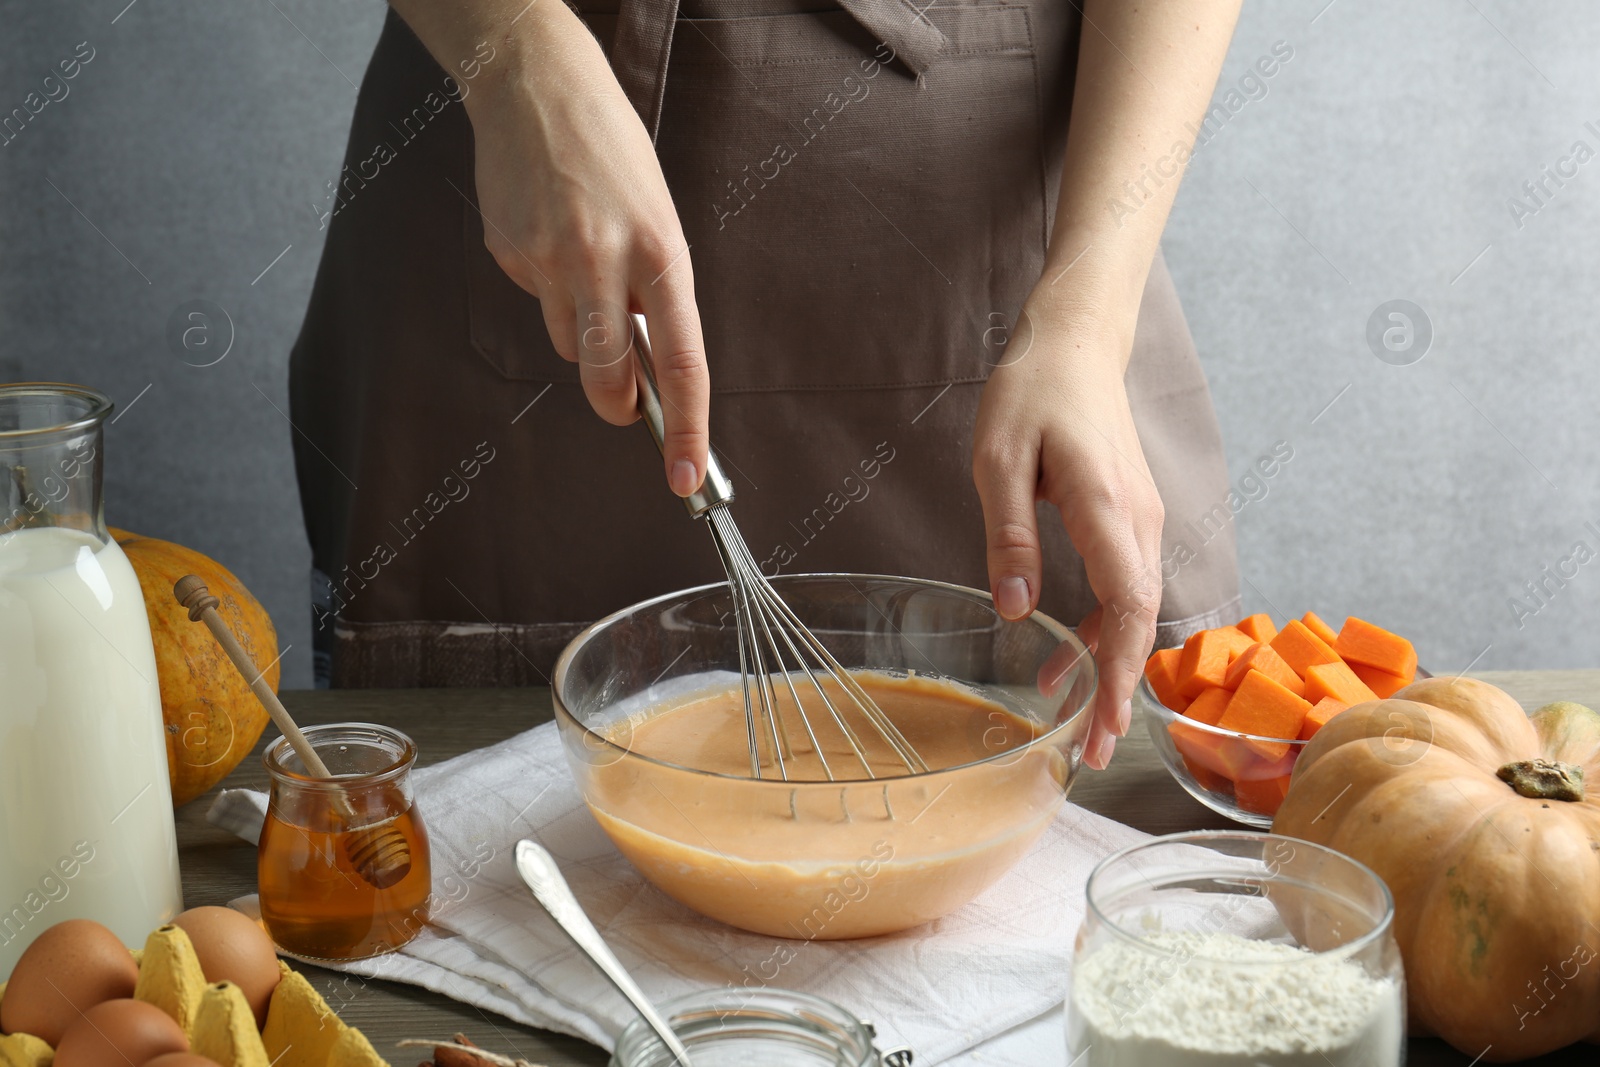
{"x": 179, "y": 1059}
{"x": 71, "y": 967}
{"x": 233, "y": 948}
{"x": 116, "y": 1033}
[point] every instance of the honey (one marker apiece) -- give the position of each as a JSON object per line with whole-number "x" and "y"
{"x": 316, "y": 901}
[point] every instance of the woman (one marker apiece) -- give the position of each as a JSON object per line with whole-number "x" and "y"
{"x": 930, "y": 308}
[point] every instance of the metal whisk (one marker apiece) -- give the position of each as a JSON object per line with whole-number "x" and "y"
{"x": 775, "y": 647}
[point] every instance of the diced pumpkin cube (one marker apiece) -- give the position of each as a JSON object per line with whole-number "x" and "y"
{"x": 1220, "y": 754}
{"x": 1209, "y": 780}
{"x": 1257, "y": 627}
{"x": 1382, "y": 683}
{"x": 1300, "y": 648}
{"x": 1161, "y": 670}
{"x": 1236, "y": 640}
{"x": 1209, "y": 705}
{"x": 1262, "y": 796}
{"x": 1266, "y": 709}
{"x": 1372, "y": 646}
{"x": 1205, "y": 777}
{"x": 1260, "y": 657}
{"x": 1338, "y": 681}
{"x": 1318, "y": 717}
{"x": 1204, "y": 662}
{"x": 1314, "y": 623}
{"x": 1259, "y": 769}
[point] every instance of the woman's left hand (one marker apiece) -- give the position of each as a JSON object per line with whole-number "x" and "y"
{"x": 1054, "y": 426}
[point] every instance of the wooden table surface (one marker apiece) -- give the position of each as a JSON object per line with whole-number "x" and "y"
{"x": 218, "y": 867}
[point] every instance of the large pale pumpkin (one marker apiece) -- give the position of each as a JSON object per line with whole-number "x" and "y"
{"x": 1479, "y": 819}
{"x": 213, "y": 720}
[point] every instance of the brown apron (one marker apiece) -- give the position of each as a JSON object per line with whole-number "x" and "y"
{"x": 867, "y": 188}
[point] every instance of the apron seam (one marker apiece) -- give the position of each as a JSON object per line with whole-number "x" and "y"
{"x": 997, "y": 50}
{"x": 664, "y": 55}
{"x": 852, "y": 387}
{"x": 847, "y": 387}
{"x": 1040, "y": 138}
{"x": 347, "y": 627}
{"x": 467, "y": 208}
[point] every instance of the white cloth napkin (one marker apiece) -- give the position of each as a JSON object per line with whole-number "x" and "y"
{"x": 990, "y": 978}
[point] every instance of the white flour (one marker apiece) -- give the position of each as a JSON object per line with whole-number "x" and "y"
{"x": 1284, "y": 1008}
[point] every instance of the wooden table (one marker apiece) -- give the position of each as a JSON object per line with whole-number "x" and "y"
{"x": 217, "y": 866}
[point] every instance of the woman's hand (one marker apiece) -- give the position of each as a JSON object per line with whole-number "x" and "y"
{"x": 576, "y": 211}
{"x": 1054, "y": 426}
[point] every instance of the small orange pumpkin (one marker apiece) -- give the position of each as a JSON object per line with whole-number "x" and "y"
{"x": 1485, "y": 823}
{"x": 212, "y": 718}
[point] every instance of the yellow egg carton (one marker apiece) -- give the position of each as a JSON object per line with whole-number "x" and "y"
{"x": 301, "y": 1029}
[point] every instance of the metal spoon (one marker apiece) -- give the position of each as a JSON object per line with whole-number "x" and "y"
{"x": 550, "y": 889}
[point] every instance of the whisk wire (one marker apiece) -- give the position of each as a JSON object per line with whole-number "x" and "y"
{"x": 759, "y": 607}
{"x": 844, "y": 727}
{"x": 744, "y": 666}
{"x": 747, "y": 616}
{"x": 765, "y": 693}
{"x": 805, "y": 720}
{"x": 723, "y": 525}
{"x": 761, "y": 615}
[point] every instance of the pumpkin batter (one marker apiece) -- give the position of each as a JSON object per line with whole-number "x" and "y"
{"x": 813, "y": 858}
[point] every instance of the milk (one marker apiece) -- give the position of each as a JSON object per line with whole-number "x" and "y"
{"x": 86, "y": 826}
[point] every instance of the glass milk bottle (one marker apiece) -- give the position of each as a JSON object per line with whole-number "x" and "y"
{"x": 86, "y": 826}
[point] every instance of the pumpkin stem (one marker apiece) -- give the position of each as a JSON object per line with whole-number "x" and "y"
{"x": 1543, "y": 779}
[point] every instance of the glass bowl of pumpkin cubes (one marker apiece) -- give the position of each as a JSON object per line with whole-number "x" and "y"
{"x": 1231, "y": 711}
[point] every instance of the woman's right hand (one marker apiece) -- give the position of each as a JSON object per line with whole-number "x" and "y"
{"x": 576, "y": 211}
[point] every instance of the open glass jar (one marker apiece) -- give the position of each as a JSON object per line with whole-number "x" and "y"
{"x": 343, "y": 864}
{"x": 1236, "y": 947}
{"x": 771, "y": 1027}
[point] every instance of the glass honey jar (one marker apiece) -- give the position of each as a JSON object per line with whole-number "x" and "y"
{"x": 343, "y": 865}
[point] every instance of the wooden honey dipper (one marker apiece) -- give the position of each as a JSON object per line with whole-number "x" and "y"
{"x": 380, "y": 854}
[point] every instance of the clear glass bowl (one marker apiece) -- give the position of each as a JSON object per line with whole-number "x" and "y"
{"x": 737, "y": 1028}
{"x": 1243, "y": 776}
{"x": 826, "y": 859}
{"x": 1236, "y": 947}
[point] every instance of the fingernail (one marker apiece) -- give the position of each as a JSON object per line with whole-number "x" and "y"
{"x": 1011, "y": 597}
{"x": 683, "y": 477}
{"x": 1108, "y": 744}
{"x": 1124, "y": 718}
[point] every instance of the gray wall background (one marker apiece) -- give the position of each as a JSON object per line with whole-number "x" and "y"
{"x": 1379, "y": 163}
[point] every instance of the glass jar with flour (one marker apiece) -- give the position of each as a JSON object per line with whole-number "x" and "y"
{"x": 1234, "y": 947}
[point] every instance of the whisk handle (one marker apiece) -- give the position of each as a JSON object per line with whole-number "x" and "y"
{"x": 716, "y": 489}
